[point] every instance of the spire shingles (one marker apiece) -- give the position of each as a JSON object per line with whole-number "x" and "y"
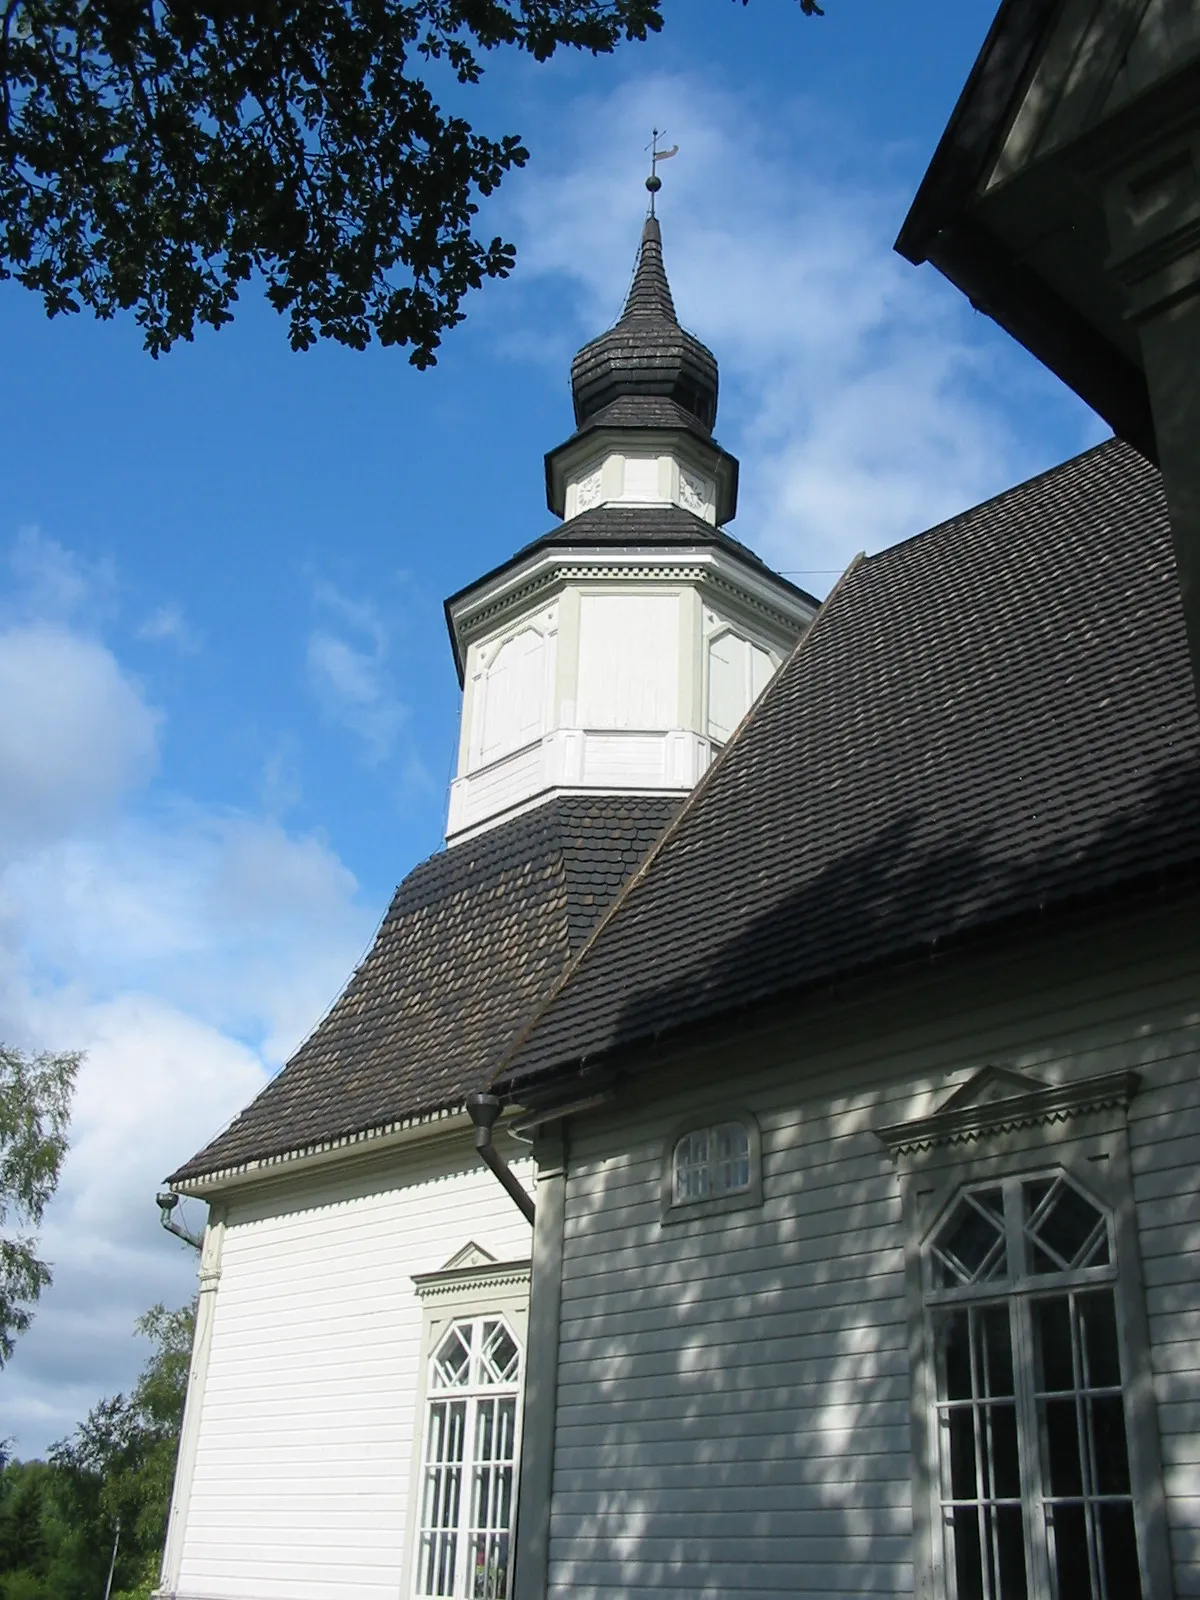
{"x": 646, "y": 357}
{"x": 650, "y": 293}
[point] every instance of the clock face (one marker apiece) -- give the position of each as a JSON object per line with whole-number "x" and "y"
{"x": 695, "y": 492}
{"x": 587, "y": 492}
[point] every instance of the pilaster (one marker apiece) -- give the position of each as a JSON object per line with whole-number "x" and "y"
{"x": 189, "y": 1437}
{"x": 541, "y": 1367}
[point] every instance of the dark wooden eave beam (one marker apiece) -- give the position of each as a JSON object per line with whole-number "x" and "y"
{"x": 1026, "y": 307}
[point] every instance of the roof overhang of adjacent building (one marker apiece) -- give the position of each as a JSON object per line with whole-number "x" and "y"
{"x": 1028, "y": 245}
{"x": 286, "y": 1163}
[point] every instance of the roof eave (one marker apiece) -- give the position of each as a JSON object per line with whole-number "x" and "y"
{"x": 976, "y": 124}
{"x": 207, "y": 1182}
{"x": 541, "y": 1087}
{"x": 1054, "y": 333}
{"x": 940, "y": 229}
{"x": 562, "y": 554}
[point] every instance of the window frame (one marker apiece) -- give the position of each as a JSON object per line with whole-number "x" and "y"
{"x": 719, "y": 627}
{"x": 481, "y": 663}
{"x": 468, "y": 1292}
{"x": 1023, "y": 1132}
{"x": 708, "y": 1118}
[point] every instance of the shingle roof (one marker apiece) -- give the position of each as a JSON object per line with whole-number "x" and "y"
{"x": 644, "y": 411}
{"x": 989, "y": 719}
{"x": 646, "y": 352}
{"x": 473, "y": 938}
{"x": 649, "y": 526}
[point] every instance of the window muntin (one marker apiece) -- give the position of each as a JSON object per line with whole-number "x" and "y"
{"x": 709, "y": 1163}
{"x": 468, "y": 1488}
{"x": 970, "y": 1246}
{"x": 1033, "y": 1483}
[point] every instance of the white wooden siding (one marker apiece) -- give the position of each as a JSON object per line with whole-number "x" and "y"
{"x": 629, "y": 661}
{"x": 734, "y": 1391}
{"x": 300, "y": 1489}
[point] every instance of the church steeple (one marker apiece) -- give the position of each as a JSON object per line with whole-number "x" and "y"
{"x": 617, "y": 652}
{"x": 646, "y": 356}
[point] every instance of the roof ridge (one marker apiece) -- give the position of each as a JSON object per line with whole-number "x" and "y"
{"x": 383, "y": 1053}
{"x": 1006, "y": 494}
{"x": 516, "y": 1043}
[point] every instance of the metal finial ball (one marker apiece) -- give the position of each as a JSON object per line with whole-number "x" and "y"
{"x": 654, "y": 183}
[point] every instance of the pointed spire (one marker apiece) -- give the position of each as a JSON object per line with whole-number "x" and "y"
{"x": 647, "y": 357}
{"x": 650, "y": 293}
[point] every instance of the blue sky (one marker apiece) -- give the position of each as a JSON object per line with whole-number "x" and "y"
{"x": 227, "y": 704}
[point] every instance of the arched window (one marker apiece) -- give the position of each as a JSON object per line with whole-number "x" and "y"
{"x": 738, "y": 672}
{"x": 468, "y": 1474}
{"x": 715, "y": 1166}
{"x": 1029, "y": 1434}
{"x": 710, "y": 1162}
{"x": 513, "y": 695}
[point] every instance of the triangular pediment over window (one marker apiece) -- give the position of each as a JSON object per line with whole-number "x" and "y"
{"x": 997, "y": 1099}
{"x": 988, "y": 1085}
{"x": 471, "y": 1255}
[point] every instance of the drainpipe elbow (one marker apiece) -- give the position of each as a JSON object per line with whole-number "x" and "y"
{"x": 484, "y": 1110}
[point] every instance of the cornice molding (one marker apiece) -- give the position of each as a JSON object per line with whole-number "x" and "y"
{"x": 403, "y": 1129}
{"x": 965, "y": 1124}
{"x": 551, "y": 569}
{"x": 450, "y": 1282}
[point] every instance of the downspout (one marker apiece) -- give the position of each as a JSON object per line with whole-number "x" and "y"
{"x": 483, "y": 1110}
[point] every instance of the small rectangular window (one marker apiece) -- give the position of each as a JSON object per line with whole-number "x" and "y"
{"x": 711, "y": 1162}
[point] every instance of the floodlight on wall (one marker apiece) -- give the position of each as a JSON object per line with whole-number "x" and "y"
{"x": 167, "y": 1202}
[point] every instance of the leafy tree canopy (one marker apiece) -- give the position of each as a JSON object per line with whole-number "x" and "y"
{"x": 59, "y": 1518}
{"x": 35, "y": 1100}
{"x": 154, "y": 154}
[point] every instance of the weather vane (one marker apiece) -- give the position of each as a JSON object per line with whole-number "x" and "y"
{"x": 654, "y": 182}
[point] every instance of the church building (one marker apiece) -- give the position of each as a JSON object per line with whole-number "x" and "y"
{"x": 820, "y": 989}
{"x": 867, "y": 1251}
{"x": 353, "y": 1422}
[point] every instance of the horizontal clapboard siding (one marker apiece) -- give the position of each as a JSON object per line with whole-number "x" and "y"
{"x": 300, "y": 1490}
{"x": 734, "y": 1397}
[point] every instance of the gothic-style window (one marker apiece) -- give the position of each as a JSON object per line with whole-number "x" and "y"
{"x": 513, "y": 692}
{"x": 1029, "y": 1428}
{"x": 738, "y": 672}
{"x": 468, "y": 1489}
{"x": 712, "y": 1162}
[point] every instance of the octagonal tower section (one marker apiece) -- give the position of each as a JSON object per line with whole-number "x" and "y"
{"x": 620, "y": 651}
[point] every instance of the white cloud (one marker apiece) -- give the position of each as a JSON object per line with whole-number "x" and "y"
{"x": 75, "y": 731}
{"x": 155, "y": 1080}
{"x": 187, "y": 955}
{"x": 52, "y": 583}
{"x": 279, "y": 786}
{"x": 186, "y": 949}
{"x": 168, "y": 625}
{"x": 853, "y": 387}
{"x": 349, "y": 676}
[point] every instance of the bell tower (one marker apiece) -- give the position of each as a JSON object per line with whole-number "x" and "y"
{"x": 620, "y": 650}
